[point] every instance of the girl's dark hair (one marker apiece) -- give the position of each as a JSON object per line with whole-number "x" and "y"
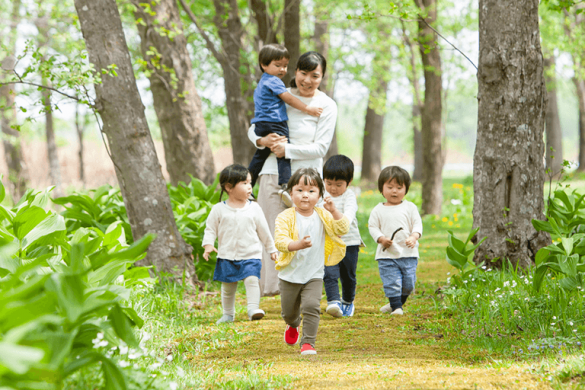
{"x": 309, "y": 62}
{"x": 311, "y": 176}
{"x": 272, "y": 52}
{"x": 338, "y": 167}
{"x": 232, "y": 175}
{"x": 393, "y": 172}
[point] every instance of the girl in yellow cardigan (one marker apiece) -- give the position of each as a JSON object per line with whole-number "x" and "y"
{"x": 308, "y": 239}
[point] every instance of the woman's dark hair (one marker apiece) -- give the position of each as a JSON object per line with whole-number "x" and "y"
{"x": 311, "y": 177}
{"x": 232, "y": 175}
{"x": 309, "y": 62}
{"x": 338, "y": 167}
{"x": 393, "y": 172}
{"x": 272, "y": 52}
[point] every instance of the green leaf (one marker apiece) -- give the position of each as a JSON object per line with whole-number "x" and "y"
{"x": 567, "y": 245}
{"x": 541, "y": 255}
{"x": 539, "y": 277}
{"x": 54, "y": 223}
{"x": 26, "y": 220}
{"x": 570, "y": 283}
{"x": 69, "y": 290}
{"x": 19, "y": 358}
{"x": 122, "y": 326}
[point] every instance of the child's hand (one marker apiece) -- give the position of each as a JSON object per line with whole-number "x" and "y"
{"x": 305, "y": 242}
{"x": 274, "y": 256}
{"x": 328, "y": 204}
{"x": 208, "y": 250}
{"x": 411, "y": 240}
{"x": 385, "y": 242}
{"x": 314, "y": 111}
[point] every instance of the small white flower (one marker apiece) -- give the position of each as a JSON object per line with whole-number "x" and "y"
{"x": 575, "y": 330}
{"x": 554, "y": 317}
{"x": 448, "y": 273}
{"x": 570, "y": 323}
{"x": 102, "y": 343}
{"x": 552, "y": 324}
{"x": 478, "y": 295}
{"x": 180, "y": 372}
{"x": 465, "y": 281}
{"x": 497, "y": 289}
{"x": 173, "y": 386}
{"x": 123, "y": 349}
{"x": 489, "y": 269}
{"x": 526, "y": 299}
{"x": 506, "y": 283}
{"x": 456, "y": 202}
{"x": 483, "y": 267}
{"x": 123, "y": 363}
{"x": 170, "y": 357}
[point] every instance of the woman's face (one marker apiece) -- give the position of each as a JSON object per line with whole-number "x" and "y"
{"x": 308, "y": 81}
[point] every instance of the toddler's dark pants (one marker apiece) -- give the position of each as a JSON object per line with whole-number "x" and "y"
{"x": 346, "y": 271}
{"x": 305, "y": 298}
{"x": 263, "y": 129}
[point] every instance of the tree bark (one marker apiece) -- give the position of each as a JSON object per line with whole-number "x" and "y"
{"x": 508, "y": 168}
{"x": 431, "y": 118}
{"x": 80, "y": 128}
{"x": 554, "y": 134}
{"x": 53, "y": 157}
{"x": 176, "y": 101}
{"x": 17, "y": 172}
{"x": 133, "y": 154}
{"x": 580, "y": 89}
{"x": 373, "y": 132}
{"x": 292, "y": 36}
{"x": 265, "y": 22}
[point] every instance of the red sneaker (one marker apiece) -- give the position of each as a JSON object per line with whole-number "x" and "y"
{"x": 291, "y": 335}
{"x": 307, "y": 349}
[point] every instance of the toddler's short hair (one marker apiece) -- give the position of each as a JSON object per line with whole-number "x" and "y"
{"x": 311, "y": 176}
{"x": 393, "y": 172}
{"x": 338, "y": 167}
{"x": 272, "y": 52}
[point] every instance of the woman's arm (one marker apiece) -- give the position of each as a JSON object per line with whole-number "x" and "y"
{"x": 264, "y": 142}
{"x": 323, "y": 137}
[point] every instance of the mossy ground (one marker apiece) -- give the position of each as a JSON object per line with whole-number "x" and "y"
{"x": 370, "y": 350}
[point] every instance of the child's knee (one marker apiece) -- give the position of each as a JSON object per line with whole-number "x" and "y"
{"x": 251, "y": 281}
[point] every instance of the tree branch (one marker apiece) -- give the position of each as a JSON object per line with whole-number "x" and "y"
{"x": 218, "y": 56}
{"x": 38, "y": 85}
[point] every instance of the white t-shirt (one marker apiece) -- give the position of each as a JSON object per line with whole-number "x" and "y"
{"x": 347, "y": 204}
{"x": 384, "y": 220}
{"x": 310, "y": 136}
{"x": 307, "y": 263}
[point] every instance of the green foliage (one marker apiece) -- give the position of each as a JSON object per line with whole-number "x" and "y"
{"x": 62, "y": 293}
{"x": 460, "y": 257}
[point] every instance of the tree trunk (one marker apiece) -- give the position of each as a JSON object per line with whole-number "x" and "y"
{"x": 17, "y": 172}
{"x": 508, "y": 167}
{"x": 431, "y": 119}
{"x": 580, "y": 89}
{"x": 554, "y": 134}
{"x": 80, "y": 130}
{"x": 292, "y": 36}
{"x": 133, "y": 154}
{"x": 53, "y": 157}
{"x": 176, "y": 101}
{"x": 373, "y": 131}
{"x": 265, "y": 22}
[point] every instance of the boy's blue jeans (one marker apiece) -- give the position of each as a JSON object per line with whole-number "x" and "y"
{"x": 346, "y": 271}
{"x": 398, "y": 276}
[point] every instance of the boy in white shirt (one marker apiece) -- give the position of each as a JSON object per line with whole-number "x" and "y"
{"x": 337, "y": 176}
{"x": 396, "y": 226}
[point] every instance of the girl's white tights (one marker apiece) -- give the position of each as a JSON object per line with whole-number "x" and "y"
{"x": 228, "y": 295}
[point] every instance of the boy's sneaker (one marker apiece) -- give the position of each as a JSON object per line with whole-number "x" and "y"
{"x": 285, "y": 197}
{"x": 386, "y": 308}
{"x": 398, "y": 311}
{"x": 334, "y": 309}
{"x": 225, "y": 318}
{"x": 348, "y": 309}
{"x": 307, "y": 349}
{"x": 291, "y": 335}
{"x": 256, "y": 314}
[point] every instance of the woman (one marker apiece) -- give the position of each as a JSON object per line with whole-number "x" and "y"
{"x": 310, "y": 138}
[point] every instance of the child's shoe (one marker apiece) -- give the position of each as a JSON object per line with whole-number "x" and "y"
{"x": 348, "y": 309}
{"x": 307, "y": 349}
{"x": 225, "y": 318}
{"x": 334, "y": 309}
{"x": 256, "y": 314}
{"x": 398, "y": 311}
{"x": 285, "y": 196}
{"x": 291, "y": 335}
{"x": 386, "y": 308}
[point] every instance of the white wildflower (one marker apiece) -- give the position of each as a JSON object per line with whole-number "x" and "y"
{"x": 123, "y": 363}
{"x": 170, "y": 357}
{"x": 506, "y": 283}
{"x": 173, "y": 386}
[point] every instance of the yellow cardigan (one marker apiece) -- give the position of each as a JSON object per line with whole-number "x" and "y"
{"x": 286, "y": 232}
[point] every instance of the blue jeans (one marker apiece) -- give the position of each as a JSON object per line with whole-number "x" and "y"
{"x": 398, "y": 275}
{"x": 346, "y": 271}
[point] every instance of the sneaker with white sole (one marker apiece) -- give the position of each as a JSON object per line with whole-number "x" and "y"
{"x": 224, "y": 319}
{"x": 334, "y": 309}
{"x": 291, "y": 335}
{"x": 348, "y": 309}
{"x": 285, "y": 197}
{"x": 256, "y": 314}
{"x": 398, "y": 311}
{"x": 307, "y": 349}
{"x": 386, "y": 308}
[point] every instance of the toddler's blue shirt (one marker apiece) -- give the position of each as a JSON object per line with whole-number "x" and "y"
{"x": 268, "y": 106}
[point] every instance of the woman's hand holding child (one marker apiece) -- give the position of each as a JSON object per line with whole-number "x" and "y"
{"x": 208, "y": 250}
{"x": 412, "y": 239}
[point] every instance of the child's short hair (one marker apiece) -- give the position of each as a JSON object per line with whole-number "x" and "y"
{"x": 338, "y": 167}
{"x": 393, "y": 172}
{"x": 311, "y": 176}
{"x": 272, "y": 52}
{"x": 232, "y": 175}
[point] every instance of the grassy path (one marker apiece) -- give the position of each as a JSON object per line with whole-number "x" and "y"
{"x": 368, "y": 351}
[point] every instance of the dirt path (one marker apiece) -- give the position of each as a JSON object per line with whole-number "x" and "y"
{"x": 370, "y": 350}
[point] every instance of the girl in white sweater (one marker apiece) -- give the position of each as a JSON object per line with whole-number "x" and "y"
{"x": 242, "y": 232}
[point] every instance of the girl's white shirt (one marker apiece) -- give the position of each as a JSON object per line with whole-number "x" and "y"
{"x": 308, "y": 263}
{"x": 242, "y": 233}
{"x": 384, "y": 220}
{"x": 310, "y": 136}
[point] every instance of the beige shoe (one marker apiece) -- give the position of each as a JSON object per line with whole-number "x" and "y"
{"x": 286, "y": 198}
{"x": 386, "y": 308}
{"x": 397, "y": 312}
{"x": 256, "y": 314}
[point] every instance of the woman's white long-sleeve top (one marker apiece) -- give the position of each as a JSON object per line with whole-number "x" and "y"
{"x": 242, "y": 233}
{"x": 310, "y": 137}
